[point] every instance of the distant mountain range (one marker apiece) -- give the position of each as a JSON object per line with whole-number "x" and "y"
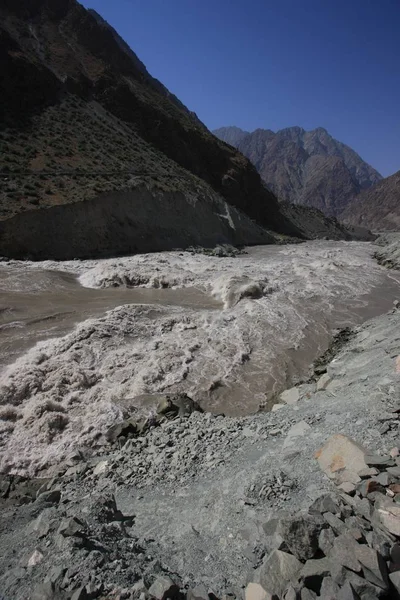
{"x": 314, "y": 169}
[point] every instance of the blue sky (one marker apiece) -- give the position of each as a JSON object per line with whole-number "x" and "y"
{"x": 274, "y": 64}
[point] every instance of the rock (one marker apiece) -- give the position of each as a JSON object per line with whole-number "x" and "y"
{"x": 301, "y": 534}
{"x": 347, "y": 593}
{"x": 368, "y": 472}
{"x": 35, "y": 558}
{"x": 394, "y": 452}
{"x": 395, "y": 580}
{"x": 337, "y": 525}
{"x": 290, "y": 593}
{"x": 323, "y": 382}
{"x": 163, "y": 588}
{"x": 71, "y": 527}
{"x": 290, "y": 396}
{"x": 47, "y": 591}
{"x": 348, "y": 488}
{"x": 344, "y": 552}
{"x": 277, "y": 569}
{"x": 101, "y": 467}
{"x": 363, "y": 507}
{"x": 394, "y": 471}
{"x": 325, "y": 540}
{"x": 307, "y": 594}
{"x": 50, "y": 497}
{"x": 329, "y": 589}
{"x": 314, "y": 571}
{"x": 297, "y": 430}
{"x": 277, "y": 407}
{"x": 384, "y": 478}
{"x": 368, "y": 486}
{"x": 341, "y": 458}
{"x": 325, "y": 503}
{"x": 43, "y": 523}
{"x": 199, "y": 592}
{"x": 363, "y": 588}
{"x": 80, "y": 594}
{"x": 389, "y": 517}
{"x": 254, "y": 591}
{"x": 373, "y": 566}
{"x": 375, "y": 460}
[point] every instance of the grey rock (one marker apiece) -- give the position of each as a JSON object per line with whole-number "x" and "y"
{"x": 367, "y": 473}
{"x": 329, "y": 589}
{"x": 200, "y": 592}
{"x": 344, "y": 552}
{"x": 301, "y": 534}
{"x": 375, "y": 460}
{"x": 395, "y": 471}
{"x": 325, "y": 503}
{"x": 395, "y": 580}
{"x": 314, "y": 572}
{"x": 277, "y": 570}
{"x": 71, "y": 527}
{"x": 347, "y": 593}
{"x": 48, "y": 591}
{"x": 384, "y": 478}
{"x": 337, "y": 525}
{"x": 80, "y": 594}
{"x": 365, "y": 589}
{"x": 325, "y": 540}
{"x": 307, "y": 594}
{"x": 290, "y": 593}
{"x": 163, "y": 588}
{"x": 373, "y": 566}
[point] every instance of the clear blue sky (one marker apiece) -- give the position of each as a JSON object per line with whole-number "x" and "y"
{"x": 276, "y": 63}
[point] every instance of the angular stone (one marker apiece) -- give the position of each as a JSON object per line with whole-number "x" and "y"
{"x": 290, "y": 593}
{"x": 277, "y": 570}
{"x": 347, "y": 593}
{"x": 325, "y": 503}
{"x": 344, "y": 552}
{"x": 314, "y": 572}
{"x": 47, "y": 591}
{"x": 389, "y": 517}
{"x": 373, "y": 566}
{"x": 363, "y": 507}
{"x": 301, "y": 534}
{"x": 163, "y": 588}
{"x": 35, "y": 558}
{"x": 71, "y": 527}
{"x": 368, "y": 472}
{"x": 277, "y": 407}
{"x": 375, "y": 460}
{"x": 341, "y": 458}
{"x": 348, "y": 488}
{"x": 337, "y": 525}
{"x": 364, "y": 588}
{"x": 50, "y": 497}
{"x": 100, "y": 468}
{"x": 307, "y": 594}
{"x": 254, "y": 591}
{"x": 394, "y": 471}
{"x": 323, "y": 382}
{"x": 329, "y": 589}
{"x": 80, "y": 594}
{"x": 290, "y": 396}
{"x": 200, "y": 592}
{"x": 395, "y": 580}
{"x": 325, "y": 540}
{"x": 368, "y": 486}
{"x": 384, "y": 478}
{"x": 395, "y": 488}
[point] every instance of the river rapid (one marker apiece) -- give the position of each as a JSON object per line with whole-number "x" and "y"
{"x": 83, "y": 343}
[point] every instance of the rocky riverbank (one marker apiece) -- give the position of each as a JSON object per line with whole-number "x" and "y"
{"x": 389, "y": 253}
{"x": 186, "y": 499}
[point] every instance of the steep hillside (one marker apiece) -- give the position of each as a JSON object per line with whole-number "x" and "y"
{"x": 377, "y": 207}
{"x": 305, "y": 167}
{"x": 82, "y": 120}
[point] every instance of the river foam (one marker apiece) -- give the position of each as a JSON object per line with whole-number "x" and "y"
{"x": 278, "y": 306}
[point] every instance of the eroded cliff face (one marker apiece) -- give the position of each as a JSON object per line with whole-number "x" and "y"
{"x": 130, "y": 221}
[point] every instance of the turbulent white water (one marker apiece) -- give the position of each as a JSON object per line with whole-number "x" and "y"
{"x": 231, "y": 332}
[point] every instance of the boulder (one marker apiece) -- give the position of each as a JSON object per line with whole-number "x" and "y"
{"x": 373, "y": 566}
{"x": 200, "y": 592}
{"x": 389, "y": 517}
{"x": 325, "y": 540}
{"x": 314, "y": 571}
{"x": 395, "y": 581}
{"x": 254, "y": 591}
{"x": 163, "y": 588}
{"x": 301, "y": 534}
{"x": 344, "y": 551}
{"x": 341, "y": 458}
{"x": 71, "y": 527}
{"x": 277, "y": 570}
{"x": 329, "y": 589}
{"x": 290, "y": 396}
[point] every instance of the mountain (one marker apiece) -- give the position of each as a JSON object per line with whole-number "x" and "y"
{"x": 305, "y": 167}
{"x": 377, "y": 207}
{"x": 99, "y": 158}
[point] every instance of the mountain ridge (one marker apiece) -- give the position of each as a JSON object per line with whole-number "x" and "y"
{"x": 286, "y": 161}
